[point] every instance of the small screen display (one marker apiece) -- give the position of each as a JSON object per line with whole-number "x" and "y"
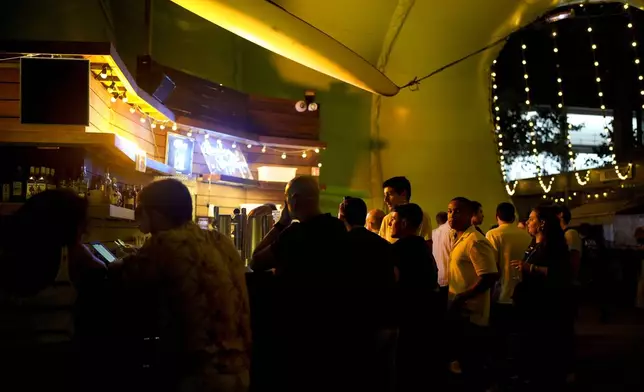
{"x": 103, "y": 252}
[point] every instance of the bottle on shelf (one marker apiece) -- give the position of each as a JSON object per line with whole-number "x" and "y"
{"x": 32, "y": 189}
{"x": 18, "y": 185}
{"x": 6, "y": 187}
{"x": 41, "y": 181}
{"x": 128, "y": 197}
{"x": 52, "y": 179}
{"x": 106, "y": 185}
{"x": 114, "y": 193}
{"x": 82, "y": 183}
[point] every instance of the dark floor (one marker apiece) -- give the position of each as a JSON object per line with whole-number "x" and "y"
{"x": 610, "y": 356}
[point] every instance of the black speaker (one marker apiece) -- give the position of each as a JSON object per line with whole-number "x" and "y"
{"x": 153, "y": 80}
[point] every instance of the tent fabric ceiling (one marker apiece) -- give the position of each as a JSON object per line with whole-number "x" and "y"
{"x": 439, "y": 136}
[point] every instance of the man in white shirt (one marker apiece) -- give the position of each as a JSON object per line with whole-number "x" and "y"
{"x": 472, "y": 272}
{"x": 441, "y": 248}
{"x": 509, "y": 243}
{"x": 397, "y": 191}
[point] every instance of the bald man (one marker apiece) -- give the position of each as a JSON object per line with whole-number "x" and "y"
{"x": 374, "y": 220}
{"x": 308, "y": 251}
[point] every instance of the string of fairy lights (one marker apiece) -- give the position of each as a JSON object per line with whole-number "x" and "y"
{"x": 496, "y": 122}
{"x": 222, "y": 141}
{"x": 581, "y": 177}
{"x": 560, "y": 105}
{"x": 531, "y": 124}
{"x": 636, "y": 60}
{"x": 600, "y": 94}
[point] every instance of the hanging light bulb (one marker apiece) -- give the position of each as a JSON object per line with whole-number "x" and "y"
{"x": 249, "y": 146}
{"x": 304, "y": 154}
{"x": 114, "y": 97}
{"x": 206, "y": 136}
{"x": 103, "y": 73}
{"x": 234, "y": 145}
{"x": 111, "y": 88}
{"x": 153, "y": 124}
{"x": 320, "y": 164}
{"x": 162, "y": 126}
{"x": 143, "y": 119}
{"x": 124, "y": 98}
{"x": 263, "y": 148}
{"x": 317, "y": 150}
{"x": 132, "y": 109}
{"x": 283, "y": 155}
{"x": 174, "y": 127}
{"x": 189, "y": 134}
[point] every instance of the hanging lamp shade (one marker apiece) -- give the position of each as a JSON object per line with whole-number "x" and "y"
{"x": 275, "y": 29}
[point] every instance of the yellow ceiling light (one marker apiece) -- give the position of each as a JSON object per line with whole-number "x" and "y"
{"x": 275, "y": 29}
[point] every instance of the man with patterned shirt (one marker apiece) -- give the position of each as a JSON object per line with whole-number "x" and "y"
{"x": 185, "y": 290}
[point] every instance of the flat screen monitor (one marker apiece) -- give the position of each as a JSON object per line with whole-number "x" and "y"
{"x": 54, "y": 91}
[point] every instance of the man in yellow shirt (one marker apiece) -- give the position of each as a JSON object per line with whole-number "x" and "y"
{"x": 397, "y": 191}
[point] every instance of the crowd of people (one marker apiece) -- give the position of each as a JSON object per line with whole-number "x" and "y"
{"x": 366, "y": 300}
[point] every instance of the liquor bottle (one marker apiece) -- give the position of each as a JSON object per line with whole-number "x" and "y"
{"x": 135, "y": 195}
{"x": 18, "y": 186}
{"x": 106, "y": 184}
{"x": 129, "y": 197}
{"x": 40, "y": 180}
{"x": 82, "y": 183}
{"x": 52, "y": 179}
{"x": 31, "y": 183}
{"x": 47, "y": 178}
{"x": 6, "y": 188}
{"x": 114, "y": 194}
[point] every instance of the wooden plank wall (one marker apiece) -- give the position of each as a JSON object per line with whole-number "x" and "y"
{"x": 115, "y": 117}
{"x": 10, "y": 105}
{"x": 227, "y": 198}
{"x": 105, "y": 116}
{"x": 278, "y": 117}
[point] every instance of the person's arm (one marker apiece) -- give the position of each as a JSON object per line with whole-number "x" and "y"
{"x": 482, "y": 256}
{"x": 268, "y": 239}
{"x": 267, "y": 257}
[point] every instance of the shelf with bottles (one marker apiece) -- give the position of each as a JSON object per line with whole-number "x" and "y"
{"x": 107, "y": 197}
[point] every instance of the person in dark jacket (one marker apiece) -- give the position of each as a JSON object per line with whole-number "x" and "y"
{"x": 419, "y": 312}
{"x": 370, "y": 273}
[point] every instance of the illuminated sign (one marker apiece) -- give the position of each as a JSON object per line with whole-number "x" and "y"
{"x": 141, "y": 162}
{"x": 225, "y": 161}
{"x": 179, "y": 150}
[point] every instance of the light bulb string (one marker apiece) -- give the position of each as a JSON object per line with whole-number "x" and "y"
{"x": 631, "y": 26}
{"x": 528, "y": 103}
{"x": 600, "y": 94}
{"x": 560, "y": 83}
{"x": 165, "y": 123}
{"x": 496, "y": 124}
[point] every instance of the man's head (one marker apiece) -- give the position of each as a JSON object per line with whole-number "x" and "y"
{"x": 353, "y": 212}
{"x": 303, "y": 197}
{"x": 459, "y": 213}
{"x": 374, "y": 220}
{"x": 505, "y": 213}
{"x": 397, "y": 191}
{"x": 163, "y": 205}
{"x": 477, "y": 213}
{"x": 564, "y": 215}
{"x": 406, "y": 220}
{"x": 441, "y": 218}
